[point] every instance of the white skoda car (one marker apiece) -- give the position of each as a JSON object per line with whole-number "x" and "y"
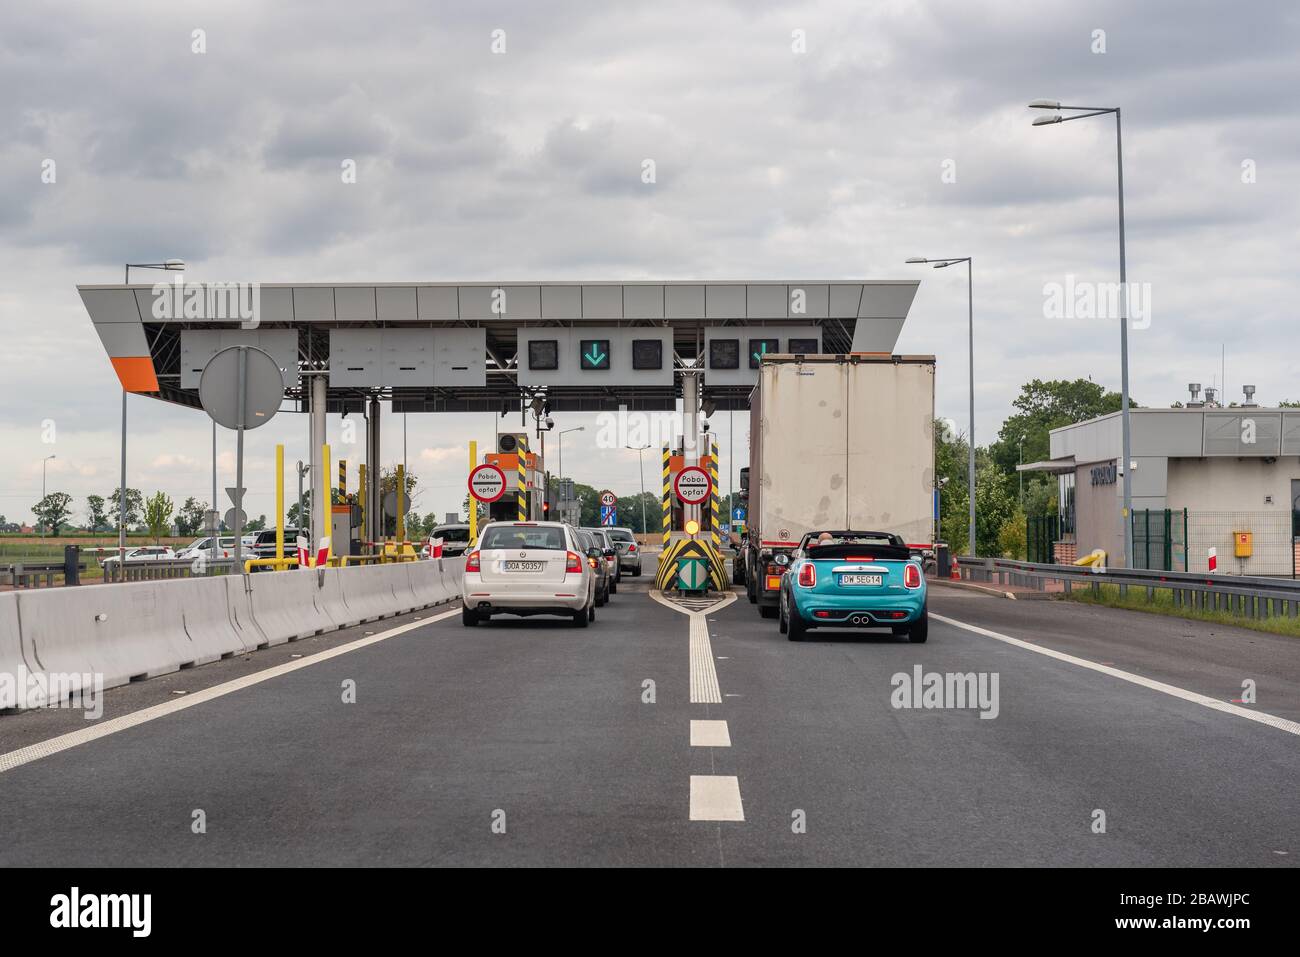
{"x": 529, "y": 568}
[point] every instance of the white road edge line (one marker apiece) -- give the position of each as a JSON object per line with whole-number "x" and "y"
{"x": 704, "y": 674}
{"x": 43, "y": 749}
{"x": 1273, "y": 721}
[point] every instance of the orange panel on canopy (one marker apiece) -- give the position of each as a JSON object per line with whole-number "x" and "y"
{"x": 136, "y": 373}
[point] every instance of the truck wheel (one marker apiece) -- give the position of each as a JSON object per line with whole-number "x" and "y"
{"x": 919, "y": 630}
{"x": 768, "y": 611}
{"x": 468, "y": 617}
{"x": 750, "y": 593}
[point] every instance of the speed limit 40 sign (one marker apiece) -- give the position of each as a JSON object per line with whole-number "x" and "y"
{"x": 487, "y": 483}
{"x": 693, "y": 485}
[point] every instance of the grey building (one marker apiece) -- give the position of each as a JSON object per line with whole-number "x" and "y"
{"x": 1203, "y": 477}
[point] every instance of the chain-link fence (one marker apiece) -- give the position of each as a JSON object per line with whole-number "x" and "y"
{"x": 1271, "y": 542}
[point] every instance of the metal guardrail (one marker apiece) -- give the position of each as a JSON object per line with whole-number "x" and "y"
{"x": 1251, "y": 597}
{"x": 166, "y": 568}
{"x": 35, "y": 574}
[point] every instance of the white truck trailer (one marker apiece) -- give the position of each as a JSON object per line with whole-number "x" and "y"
{"x": 836, "y": 442}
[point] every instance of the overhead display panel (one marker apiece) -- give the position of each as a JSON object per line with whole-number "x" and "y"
{"x": 406, "y": 358}
{"x": 200, "y": 345}
{"x": 733, "y": 354}
{"x": 595, "y": 355}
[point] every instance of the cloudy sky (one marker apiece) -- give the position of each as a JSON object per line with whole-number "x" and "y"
{"x": 820, "y": 140}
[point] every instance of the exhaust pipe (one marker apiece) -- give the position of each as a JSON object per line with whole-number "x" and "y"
{"x": 857, "y": 619}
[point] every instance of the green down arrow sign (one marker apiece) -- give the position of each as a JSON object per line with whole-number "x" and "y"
{"x": 595, "y": 353}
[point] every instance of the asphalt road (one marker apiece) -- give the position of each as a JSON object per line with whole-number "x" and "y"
{"x": 535, "y": 743}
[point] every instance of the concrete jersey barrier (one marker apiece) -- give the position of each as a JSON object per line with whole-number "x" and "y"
{"x": 125, "y": 632}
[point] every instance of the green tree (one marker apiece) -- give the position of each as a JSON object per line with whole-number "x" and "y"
{"x": 189, "y": 520}
{"x": 481, "y": 508}
{"x": 157, "y": 514}
{"x": 292, "y": 518}
{"x": 1011, "y": 536}
{"x": 134, "y": 506}
{"x": 256, "y": 525}
{"x": 52, "y": 510}
{"x": 96, "y": 513}
{"x": 1044, "y": 405}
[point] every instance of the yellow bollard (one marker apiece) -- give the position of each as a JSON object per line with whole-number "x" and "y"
{"x": 279, "y": 502}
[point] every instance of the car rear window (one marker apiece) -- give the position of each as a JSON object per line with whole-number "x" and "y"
{"x": 621, "y": 535}
{"x": 452, "y": 534}
{"x": 525, "y": 536}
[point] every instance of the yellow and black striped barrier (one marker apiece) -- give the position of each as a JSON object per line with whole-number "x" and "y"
{"x": 667, "y": 499}
{"x": 713, "y": 499}
{"x": 666, "y": 577}
{"x": 521, "y": 493}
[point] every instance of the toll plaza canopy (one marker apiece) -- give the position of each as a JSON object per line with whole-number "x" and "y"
{"x": 465, "y": 347}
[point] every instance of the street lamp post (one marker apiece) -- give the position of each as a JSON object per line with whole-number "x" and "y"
{"x": 560, "y": 439}
{"x": 640, "y": 461}
{"x": 170, "y": 265}
{"x": 44, "y": 462}
{"x": 1080, "y": 113}
{"x": 943, "y": 263}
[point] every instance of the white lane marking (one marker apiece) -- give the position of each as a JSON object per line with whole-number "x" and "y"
{"x": 1282, "y": 724}
{"x": 716, "y": 797}
{"x": 710, "y": 734}
{"x": 43, "y": 749}
{"x": 704, "y": 675}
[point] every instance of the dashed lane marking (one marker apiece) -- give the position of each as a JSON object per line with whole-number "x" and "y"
{"x": 716, "y": 797}
{"x": 43, "y": 749}
{"x": 710, "y": 734}
{"x": 1282, "y": 724}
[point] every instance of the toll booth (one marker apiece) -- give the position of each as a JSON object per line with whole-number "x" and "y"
{"x": 506, "y": 508}
{"x": 343, "y": 539}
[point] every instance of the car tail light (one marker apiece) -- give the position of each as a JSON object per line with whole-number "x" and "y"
{"x": 911, "y": 576}
{"x": 472, "y": 562}
{"x": 631, "y": 548}
{"x": 807, "y": 575}
{"x": 574, "y": 564}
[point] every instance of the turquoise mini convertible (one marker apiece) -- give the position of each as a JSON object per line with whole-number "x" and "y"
{"x": 840, "y": 579}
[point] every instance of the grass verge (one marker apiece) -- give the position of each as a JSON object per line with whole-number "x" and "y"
{"x": 1163, "y": 604}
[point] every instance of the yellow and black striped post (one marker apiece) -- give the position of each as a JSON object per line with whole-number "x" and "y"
{"x": 713, "y": 498}
{"x": 343, "y": 480}
{"x": 521, "y": 493}
{"x": 667, "y": 499}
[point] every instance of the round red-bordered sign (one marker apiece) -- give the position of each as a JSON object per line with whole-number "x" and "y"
{"x": 487, "y": 483}
{"x": 693, "y": 485}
